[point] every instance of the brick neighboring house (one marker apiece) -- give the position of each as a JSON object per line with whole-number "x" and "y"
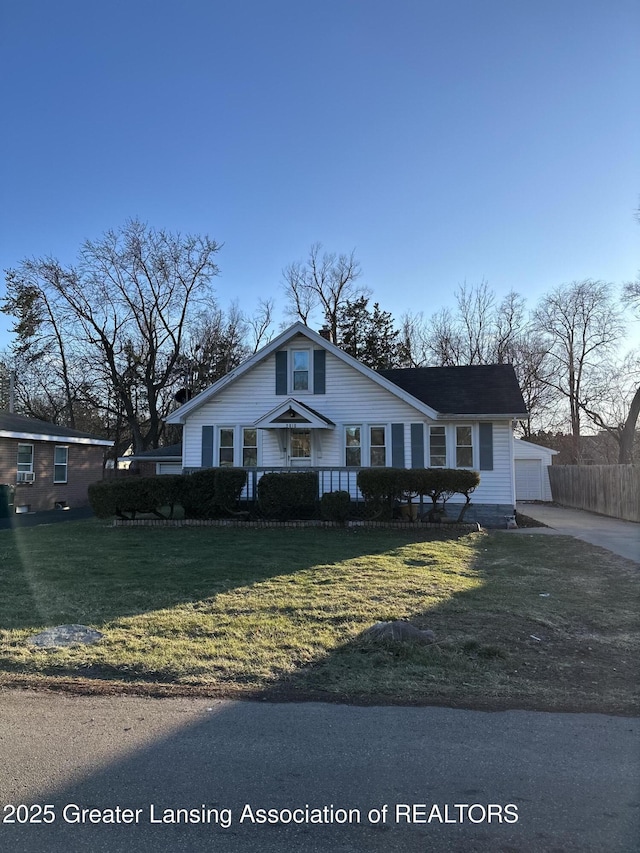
{"x": 50, "y": 466}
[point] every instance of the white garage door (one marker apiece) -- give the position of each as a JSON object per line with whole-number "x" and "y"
{"x": 528, "y": 480}
{"x": 169, "y": 468}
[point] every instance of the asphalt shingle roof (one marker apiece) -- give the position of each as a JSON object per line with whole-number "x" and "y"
{"x": 479, "y": 389}
{"x": 18, "y": 423}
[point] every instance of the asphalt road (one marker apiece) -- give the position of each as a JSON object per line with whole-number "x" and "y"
{"x": 53, "y": 516}
{"x": 572, "y": 780}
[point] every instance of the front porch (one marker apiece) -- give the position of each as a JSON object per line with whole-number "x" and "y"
{"x": 335, "y": 478}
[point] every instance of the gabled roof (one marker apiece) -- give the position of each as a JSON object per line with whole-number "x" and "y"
{"x": 479, "y": 389}
{"x": 17, "y": 426}
{"x": 437, "y": 392}
{"x": 293, "y": 412}
{"x": 178, "y": 417}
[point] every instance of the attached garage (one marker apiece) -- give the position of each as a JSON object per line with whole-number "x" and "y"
{"x": 531, "y": 475}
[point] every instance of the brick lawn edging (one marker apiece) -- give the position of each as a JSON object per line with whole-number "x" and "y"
{"x": 473, "y": 527}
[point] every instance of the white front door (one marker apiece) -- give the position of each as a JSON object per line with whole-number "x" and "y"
{"x": 300, "y": 447}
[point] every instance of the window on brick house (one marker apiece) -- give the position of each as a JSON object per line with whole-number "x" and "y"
{"x": 60, "y": 464}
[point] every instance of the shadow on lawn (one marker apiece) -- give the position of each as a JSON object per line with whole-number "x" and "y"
{"x": 495, "y": 642}
{"x": 91, "y": 573}
{"x": 523, "y": 638}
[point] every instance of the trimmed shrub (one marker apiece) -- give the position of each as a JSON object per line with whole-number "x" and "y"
{"x": 125, "y": 497}
{"x": 284, "y": 496}
{"x": 169, "y": 491}
{"x": 464, "y": 483}
{"x": 102, "y": 498}
{"x": 204, "y": 494}
{"x": 229, "y": 483}
{"x": 198, "y": 499}
{"x": 381, "y": 488}
{"x": 212, "y": 492}
{"x": 335, "y": 506}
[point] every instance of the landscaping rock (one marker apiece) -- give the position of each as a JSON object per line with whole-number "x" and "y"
{"x": 65, "y": 635}
{"x": 399, "y": 631}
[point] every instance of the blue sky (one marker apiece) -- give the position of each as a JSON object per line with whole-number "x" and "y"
{"x": 443, "y": 141}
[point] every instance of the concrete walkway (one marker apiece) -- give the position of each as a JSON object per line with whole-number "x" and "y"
{"x": 620, "y": 537}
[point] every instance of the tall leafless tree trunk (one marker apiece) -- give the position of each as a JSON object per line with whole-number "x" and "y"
{"x": 325, "y": 282}
{"x": 580, "y": 324}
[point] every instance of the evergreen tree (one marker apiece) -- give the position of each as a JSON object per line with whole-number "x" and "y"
{"x": 369, "y": 335}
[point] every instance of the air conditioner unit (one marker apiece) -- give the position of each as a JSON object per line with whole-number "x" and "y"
{"x": 26, "y": 477}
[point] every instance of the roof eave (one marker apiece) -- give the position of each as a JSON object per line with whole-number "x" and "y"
{"x": 61, "y": 439}
{"x": 494, "y": 416}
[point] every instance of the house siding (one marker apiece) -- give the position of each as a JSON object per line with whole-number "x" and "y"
{"x": 350, "y": 398}
{"x": 85, "y": 466}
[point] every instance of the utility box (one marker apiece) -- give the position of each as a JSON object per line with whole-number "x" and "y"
{"x": 6, "y": 500}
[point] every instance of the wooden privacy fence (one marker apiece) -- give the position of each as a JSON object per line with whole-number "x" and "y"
{"x": 608, "y": 489}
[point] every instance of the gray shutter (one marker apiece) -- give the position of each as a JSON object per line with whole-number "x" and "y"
{"x": 207, "y": 447}
{"x": 417, "y": 446}
{"x": 319, "y": 364}
{"x": 281, "y": 372}
{"x": 486, "y": 447}
{"x": 397, "y": 445}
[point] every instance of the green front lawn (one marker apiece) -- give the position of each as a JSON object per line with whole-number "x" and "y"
{"x": 521, "y": 620}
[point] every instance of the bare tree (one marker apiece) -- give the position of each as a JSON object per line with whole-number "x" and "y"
{"x": 45, "y": 347}
{"x": 530, "y": 360}
{"x": 631, "y": 296}
{"x": 476, "y": 320}
{"x": 260, "y": 324}
{"x": 445, "y": 337}
{"x": 126, "y": 304}
{"x": 580, "y": 324}
{"x": 615, "y": 403}
{"x": 508, "y": 328}
{"x": 325, "y": 283}
{"x": 414, "y": 339}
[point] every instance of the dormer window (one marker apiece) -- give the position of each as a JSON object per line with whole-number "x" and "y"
{"x": 300, "y": 364}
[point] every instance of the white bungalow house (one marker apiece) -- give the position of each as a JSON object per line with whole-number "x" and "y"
{"x": 301, "y": 402}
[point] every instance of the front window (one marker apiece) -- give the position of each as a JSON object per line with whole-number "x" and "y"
{"x": 249, "y": 447}
{"x": 353, "y": 448}
{"x": 437, "y": 447}
{"x": 464, "y": 447}
{"x": 225, "y": 457}
{"x": 25, "y": 458}
{"x": 377, "y": 447}
{"x": 60, "y": 464}
{"x": 301, "y": 370}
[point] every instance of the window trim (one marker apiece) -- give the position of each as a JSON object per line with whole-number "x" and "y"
{"x": 220, "y": 447}
{"x": 385, "y": 447}
{"x": 64, "y": 464}
{"x": 308, "y": 371}
{"x": 28, "y": 470}
{"x": 446, "y": 443}
{"x": 472, "y": 446}
{"x": 244, "y": 446}
{"x": 347, "y": 447}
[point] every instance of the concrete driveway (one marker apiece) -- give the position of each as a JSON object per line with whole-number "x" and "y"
{"x": 620, "y": 537}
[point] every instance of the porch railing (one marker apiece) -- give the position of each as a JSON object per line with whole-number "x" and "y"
{"x": 330, "y": 479}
